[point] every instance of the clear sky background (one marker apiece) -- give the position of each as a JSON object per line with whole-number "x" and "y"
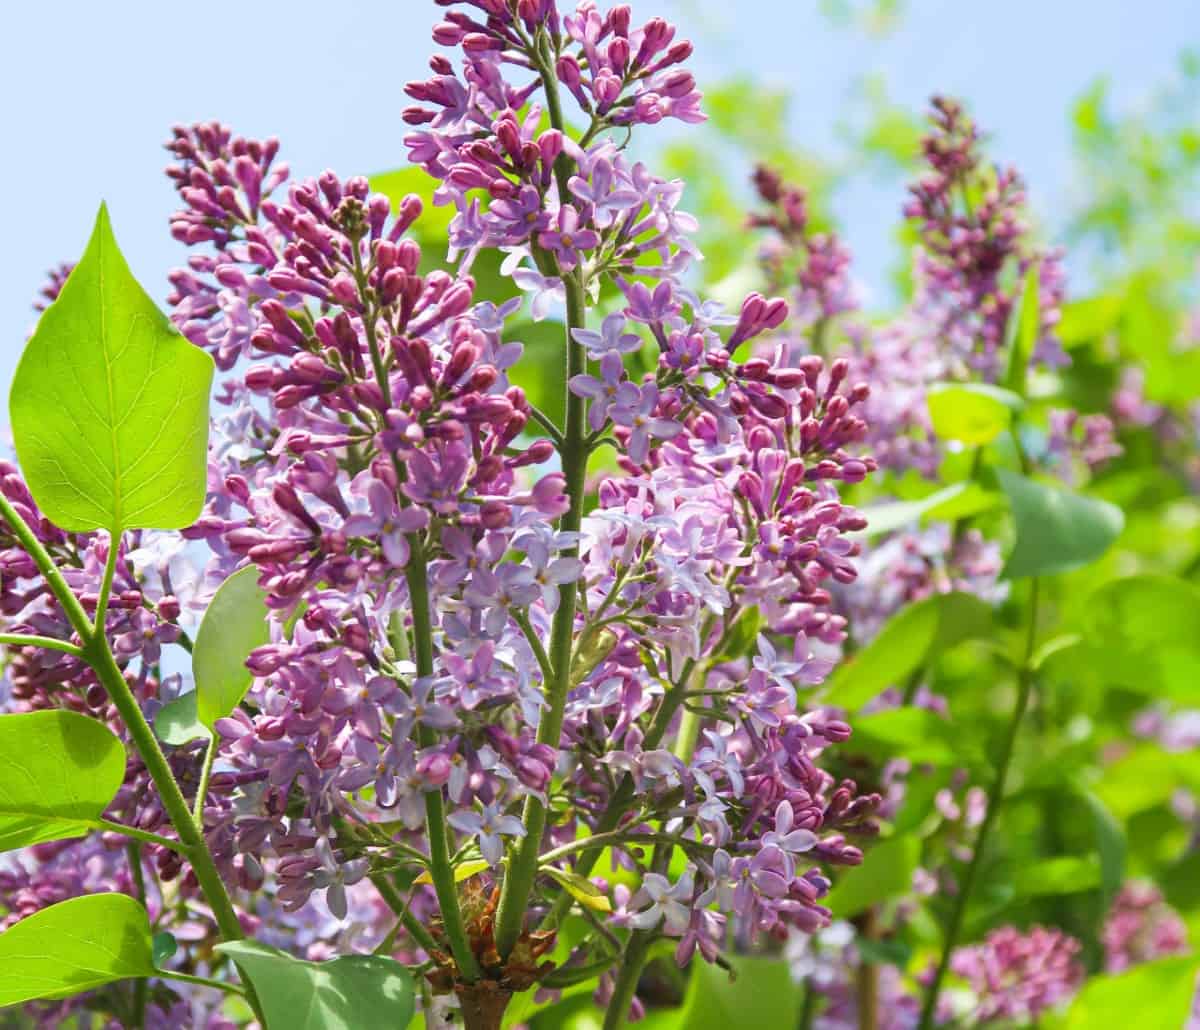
{"x": 88, "y": 93}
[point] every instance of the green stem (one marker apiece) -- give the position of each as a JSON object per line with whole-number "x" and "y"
{"x": 440, "y": 867}
{"x": 535, "y": 644}
{"x": 994, "y": 801}
{"x": 522, "y": 870}
{"x": 41, "y": 558}
{"x": 202, "y": 981}
{"x": 628, "y": 974}
{"x": 134, "y": 854}
{"x": 210, "y": 756}
{"x": 416, "y": 574}
{"x": 688, "y": 734}
{"x": 416, "y": 929}
{"x": 50, "y": 643}
{"x": 808, "y": 1006}
{"x": 133, "y": 833}
{"x": 110, "y": 570}
{"x": 99, "y": 656}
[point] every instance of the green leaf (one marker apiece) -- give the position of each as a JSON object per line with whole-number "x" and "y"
{"x": 1022, "y": 331}
{"x": 162, "y": 946}
{"x": 462, "y": 871}
{"x": 1110, "y": 844}
{"x": 908, "y": 640}
{"x": 234, "y": 625}
{"x": 761, "y": 995}
{"x": 540, "y": 371}
{"x": 59, "y": 771}
{"x": 177, "y": 723}
{"x": 1154, "y": 996}
{"x": 915, "y": 733}
{"x": 1057, "y": 530}
{"x": 109, "y": 404}
{"x": 1087, "y": 320}
{"x": 973, "y": 413}
{"x": 354, "y": 992}
{"x": 958, "y": 501}
{"x": 73, "y": 947}
{"x": 1064, "y": 874}
{"x": 580, "y": 888}
{"x": 886, "y": 872}
{"x": 398, "y": 184}
{"x": 1146, "y": 630}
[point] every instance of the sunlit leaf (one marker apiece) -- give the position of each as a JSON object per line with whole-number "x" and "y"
{"x": 59, "y": 771}
{"x": 74, "y": 946}
{"x": 463, "y": 871}
{"x": 1153, "y": 996}
{"x": 109, "y": 404}
{"x": 580, "y": 888}
{"x": 972, "y": 413}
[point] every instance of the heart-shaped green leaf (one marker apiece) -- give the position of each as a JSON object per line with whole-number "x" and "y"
{"x": 109, "y": 404}
{"x": 74, "y": 946}
{"x": 234, "y": 625}
{"x": 973, "y": 413}
{"x": 59, "y": 771}
{"x": 354, "y": 992}
{"x": 1057, "y": 530}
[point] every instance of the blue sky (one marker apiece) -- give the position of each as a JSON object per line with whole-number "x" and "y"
{"x": 90, "y": 92}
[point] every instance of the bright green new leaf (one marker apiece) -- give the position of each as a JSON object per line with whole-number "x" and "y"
{"x": 1057, "y": 530}
{"x": 973, "y": 413}
{"x": 917, "y": 633}
{"x": 234, "y": 625}
{"x": 581, "y": 889}
{"x": 1152, "y": 996}
{"x": 177, "y": 723}
{"x": 59, "y": 771}
{"x": 886, "y": 872}
{"x": 109, "y": 404}
{"x": 463, "y": 871}
{"x": 74, "y": 946}
{"x": 354, "y": 992}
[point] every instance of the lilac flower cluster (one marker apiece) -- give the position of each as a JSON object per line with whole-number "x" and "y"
{"x": 418, "y": 543}
{"x": 1016, "y": 976}
{"x": 1141, "y": 927}
{"x": 972, "y": 232}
